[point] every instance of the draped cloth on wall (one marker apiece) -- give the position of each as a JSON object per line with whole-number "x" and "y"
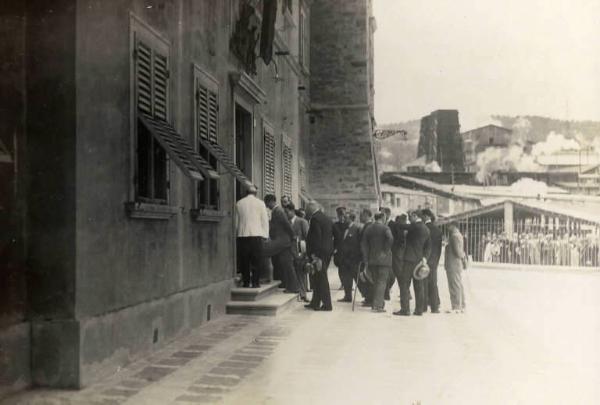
{"x": 267, "y": 35}
{"x": 245, "y": 37}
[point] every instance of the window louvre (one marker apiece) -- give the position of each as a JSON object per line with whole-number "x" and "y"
{"x": 208, "y": 114}
{"x": 269, "y": 163}
{"x": 287, "y": 170}
{"x": 188, "y": 160}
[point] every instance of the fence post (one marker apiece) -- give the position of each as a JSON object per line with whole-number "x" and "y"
{"x": 508, "y": 218}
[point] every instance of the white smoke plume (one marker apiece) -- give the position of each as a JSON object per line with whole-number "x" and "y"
{"x": 433, "y": 167}
{"x": 554, "y": 143}
{"x": 509, "y": 159}
{"x": 528, "y": 186}
{"x": 515, "y": 159}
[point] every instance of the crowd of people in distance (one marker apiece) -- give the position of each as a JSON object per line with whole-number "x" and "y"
{"x": 539, "y": 248}
{"x": 371, "y": 252}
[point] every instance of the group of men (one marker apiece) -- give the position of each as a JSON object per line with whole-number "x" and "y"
{"x": 372, "y": 252}
{"x": 278, "y": 234}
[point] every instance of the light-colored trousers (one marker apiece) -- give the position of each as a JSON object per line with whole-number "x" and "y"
{"x": 457, "y": 291}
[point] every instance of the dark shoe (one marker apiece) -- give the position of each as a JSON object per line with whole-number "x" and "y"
{"x": 323, "y": 309}
{"x": 309, "y": 306}
{"x": 402, "y": 313}
{"x": 418, "y": 313}
{"x": 378, "y": 310}
{"x": 345, "y": 299}
{"x": 255, "y": 285}
{"x": 366, "y": 304}
{"x": 435, "y": 311}
{"x": 246, "y": 285}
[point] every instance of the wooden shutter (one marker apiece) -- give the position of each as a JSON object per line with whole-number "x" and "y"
{"x": 152, "y": 81}
{"x": 287, "y": 170}
{"x": 208, "y": 113}
{"x": 269, "y": 163}
{"x": 144, "y": 82}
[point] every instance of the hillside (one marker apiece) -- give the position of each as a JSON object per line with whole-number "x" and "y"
{"x": 393, "y": 153}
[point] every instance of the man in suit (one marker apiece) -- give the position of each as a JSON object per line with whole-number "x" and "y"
{"x": 391, "y": 279}
{"x": 280, "y": 245}
{"x": 319, "y": 244}
{"x": 455, "y": 261}
{"x": 432, "y": 296}
{"x": 364, "y": 286}
{"x": 300, "y": 227}
{"x": 417, "y": 250}
{"x": 252, "y": 228}
{"x": 399, "y": 245}
{"x": 350, "y": 256}
{"x": 339, "y": 229}
{"x": 376, "y": 246}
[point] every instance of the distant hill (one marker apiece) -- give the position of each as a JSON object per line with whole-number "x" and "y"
{"x": 395, "y": 152}
{"x": 539, "y": 127}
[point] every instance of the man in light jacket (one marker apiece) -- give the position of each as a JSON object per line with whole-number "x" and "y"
{"x": 376, "y": 246}
{"x": 455, "y": 262}
{"x": 252, "y": 227}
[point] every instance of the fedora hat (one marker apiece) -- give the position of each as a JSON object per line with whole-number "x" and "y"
{"x": 421, "y": 270}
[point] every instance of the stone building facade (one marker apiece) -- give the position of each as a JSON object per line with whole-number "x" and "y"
{"x": 440, "y": 140}
{"x": 128, "y": 130}
{"x": 341, "y": 144}
{"x": 477, "y": 140}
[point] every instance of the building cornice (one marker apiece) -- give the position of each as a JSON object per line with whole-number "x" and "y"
{"x": 244, "y": 82}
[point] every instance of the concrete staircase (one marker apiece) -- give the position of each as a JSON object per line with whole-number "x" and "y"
{"x": 268, "y": 300}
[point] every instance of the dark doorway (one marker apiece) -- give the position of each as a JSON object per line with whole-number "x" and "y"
{"x": 243, "y": 146}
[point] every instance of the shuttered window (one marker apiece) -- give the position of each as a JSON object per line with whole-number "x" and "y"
{"x": 287, "y": 170}
{"x": 269, "y": 163}
{"x": 207, "y": 119}
{"x": 152, "y": 98}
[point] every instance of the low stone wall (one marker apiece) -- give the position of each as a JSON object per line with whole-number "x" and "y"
{"x": 532, "y": 267}
{"x": 15, "y": 369}
{"x": 89, "y": 349}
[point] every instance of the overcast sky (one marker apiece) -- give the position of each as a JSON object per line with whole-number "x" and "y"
{"x": 482, "y": 57}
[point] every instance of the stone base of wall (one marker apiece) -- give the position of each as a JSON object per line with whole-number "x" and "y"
{"x": 15, "y": 343}
{"x": 75, "y": 353}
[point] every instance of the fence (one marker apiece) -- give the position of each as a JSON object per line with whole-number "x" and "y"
{"x": 532, "y": 241}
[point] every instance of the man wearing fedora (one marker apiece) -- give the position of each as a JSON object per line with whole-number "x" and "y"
{"x": 319, "y": 245}
{"x": 417, "y": 250}
{"x": 432, "y": 296}
{"x": 455, "y": 261}
{"x": 376, "y": 246}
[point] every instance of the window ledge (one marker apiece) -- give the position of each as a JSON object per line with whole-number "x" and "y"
{"x": 140, "y": 210}
{"x": 206, "y": 215}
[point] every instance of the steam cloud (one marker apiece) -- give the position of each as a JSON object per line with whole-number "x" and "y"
{"x": 515, "y": 157}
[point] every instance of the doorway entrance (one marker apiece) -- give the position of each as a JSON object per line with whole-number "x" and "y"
{"x": 243, "y": 146}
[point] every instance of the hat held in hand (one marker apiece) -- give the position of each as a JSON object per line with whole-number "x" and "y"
{"x": 421, "y": 270}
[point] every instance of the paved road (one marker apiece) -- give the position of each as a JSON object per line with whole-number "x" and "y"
{"x": 527, "y": 338}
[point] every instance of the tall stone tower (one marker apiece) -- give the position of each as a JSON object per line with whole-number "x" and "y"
{"x": 440, "y": 140}
{"x": 342, "y": 165}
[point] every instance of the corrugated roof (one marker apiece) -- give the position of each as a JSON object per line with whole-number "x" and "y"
{"x": 541, "y": 207}
{"x": 395, "y": 179}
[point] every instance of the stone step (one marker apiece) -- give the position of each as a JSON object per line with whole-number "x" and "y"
{"x": 270, "y": 305}
{"x": 254, "y": 294}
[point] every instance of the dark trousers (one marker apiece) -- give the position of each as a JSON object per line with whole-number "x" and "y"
{"x": 321, "y": 293}
{"x": 283, "y": 269}
{"x": 250, "y": 250}
{"x": 381, "y": 275}
{"x": 348, "y": 273}
{"x": 432, "y": 295}
{"x": 405, "y": 279}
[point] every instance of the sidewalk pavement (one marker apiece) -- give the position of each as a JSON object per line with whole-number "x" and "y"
{"x": 526, "y": 338}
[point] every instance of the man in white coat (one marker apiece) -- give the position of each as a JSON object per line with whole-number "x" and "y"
{"x": 252, "y": 228}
